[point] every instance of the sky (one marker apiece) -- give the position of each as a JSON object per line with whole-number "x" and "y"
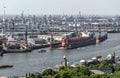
{"x": 86, "y": 7}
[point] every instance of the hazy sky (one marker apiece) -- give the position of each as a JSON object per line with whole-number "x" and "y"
{"x": 100, "y": 7}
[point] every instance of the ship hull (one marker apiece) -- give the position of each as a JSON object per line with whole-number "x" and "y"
{"x": 16, "y": 51}
{"x": 39, "y": 47}
{"x": 102, "y": 38}
{"x": 81, "y": 43}
{"x": 55, "y": 45}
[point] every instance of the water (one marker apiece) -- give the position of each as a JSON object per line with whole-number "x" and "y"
{"x": 34, "y": 61}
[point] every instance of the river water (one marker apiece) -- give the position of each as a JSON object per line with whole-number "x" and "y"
{"x": 34, "y": 61}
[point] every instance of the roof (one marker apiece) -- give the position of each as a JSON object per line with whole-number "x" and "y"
{"x": 101, "y": 70}
{"x": 3, "y": 77}
{"x": 97, "y": 71}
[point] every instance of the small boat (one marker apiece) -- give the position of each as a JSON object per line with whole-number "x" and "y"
{"x": 41, "y": 51}
{"x": 6, "y": 66}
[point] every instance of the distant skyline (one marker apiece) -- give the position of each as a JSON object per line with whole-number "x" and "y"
{"x": 87, "y": 7}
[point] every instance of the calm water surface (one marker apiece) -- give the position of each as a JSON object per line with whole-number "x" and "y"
{"x": 34, "y": 61}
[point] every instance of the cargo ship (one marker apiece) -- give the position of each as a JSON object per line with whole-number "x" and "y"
{"x": 85, "y": 39}
{"x": 13, "y": 45}
{"x": 70, "y": 42}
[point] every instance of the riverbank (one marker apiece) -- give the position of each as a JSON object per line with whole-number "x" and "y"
{"x": 108, "y": 68}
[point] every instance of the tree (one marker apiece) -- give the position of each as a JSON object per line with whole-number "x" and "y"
{"x": 48, "y": 72}
{"x": 116, "y": 75}
{"x": 94, "y": 76}
{"x": 38, "y": 75}
{"x": 85, "y": 71}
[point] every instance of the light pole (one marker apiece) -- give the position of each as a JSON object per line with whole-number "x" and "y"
{"x": 3, "y": 26}
{"x": 65, "y": 61}
{"x": 4, "y": 11}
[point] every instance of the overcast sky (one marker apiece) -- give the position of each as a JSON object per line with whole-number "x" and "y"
{"x": 99, "y": 7}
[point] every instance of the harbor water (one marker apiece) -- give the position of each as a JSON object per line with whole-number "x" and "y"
{"x": 34, "y": 61}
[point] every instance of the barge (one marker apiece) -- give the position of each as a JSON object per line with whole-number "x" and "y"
{"x": 6, "y": 66}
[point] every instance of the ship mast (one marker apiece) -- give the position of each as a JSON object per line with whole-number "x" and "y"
{"x": 26, "y": 30}
{"x": 99, "y": 30}
{"x": 51, "y": 34}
